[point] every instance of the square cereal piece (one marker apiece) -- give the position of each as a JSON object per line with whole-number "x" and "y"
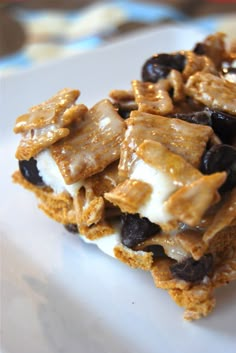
{"x": 198, "y": 300}
{"x": 96, "y": 231}
{"x": 173, "y": 165}
{"x": 223, "y": 218}
{"x": 92, "y": 145}
{"x": 177, "y": 192}
{"x": 212, "y": 91}
{"x": 135, "y": 259}
{"x": 225, "y": 268}
{"x": 183, "y": 138}
{"x": 151, "y": 98}
{"x": 193, "y": 194}
{"x": 47, "y": 122}
{"x": 120, "y": 95}
{"x": 190, "y": 202}
{"x": 196, "y": 63}
{"x": 155, "y": 175}
{"x": 129, "y": 195}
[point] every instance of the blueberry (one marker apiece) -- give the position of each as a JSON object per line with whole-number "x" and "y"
{"x": 30, "y": 172}
{"x": 135, "y": 230}
{"x": 72, "y": 228}
{"x": 221, "y": 158}
{"x": 202, "y": 117}
{"x": 159, "y": 66}
{"x": 191, "y": 270}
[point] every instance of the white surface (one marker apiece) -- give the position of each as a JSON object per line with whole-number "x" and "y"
{"x": 59, "y": 294}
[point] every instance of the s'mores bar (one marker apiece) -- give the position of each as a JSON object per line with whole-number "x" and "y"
{"x": 148, "y": 174}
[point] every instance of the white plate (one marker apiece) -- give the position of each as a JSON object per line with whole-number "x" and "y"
{"x": 59, "y": 294}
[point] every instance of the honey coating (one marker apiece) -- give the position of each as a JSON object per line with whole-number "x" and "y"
{"x": 97, "y": 150}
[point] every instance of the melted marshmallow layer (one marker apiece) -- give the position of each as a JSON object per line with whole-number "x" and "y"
{"x": 162, "y": 187}
{"x": 51, "y": 174}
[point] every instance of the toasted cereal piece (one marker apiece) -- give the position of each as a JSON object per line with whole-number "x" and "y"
{"x": 196, "y": 63}
{"x": 170, "y": 245}
{"x": 89, "y": 208}
{"x": 123, "y": 102}
{"x": 176, "y": 82}
{"x": 121, "y": 95}
{"x": 190, "y": 239}
{"x": 214, "y": 48}
{"x": 151, "y": 99}
{"x": 213, "y": 91}
{"x": 96, "y": 231}
{"x": 171, "y": 164}
{"x": 82, "y": 154}
{"x": 93, "y": 212}
{"x": 135, "y": 259}
{"x": 47, "y": 123}
{"x": 57, "y": 206}
{"x": 198, "y": 301}
{"x": 129, "y": 195}
{"x": 186, "y": 139}
{"x": 223, "y": 218}
{"x": 225, "y": 268}
{"x": 186, "y": 194}
{"x": 191, "y": 201}
{"x": 104, "y": 181}
{"x": 54, "y": 110}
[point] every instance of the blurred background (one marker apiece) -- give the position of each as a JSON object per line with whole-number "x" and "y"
{"x": 35, "y": 31}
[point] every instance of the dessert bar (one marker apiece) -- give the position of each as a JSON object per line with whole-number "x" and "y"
{"x": 148, "y": 174}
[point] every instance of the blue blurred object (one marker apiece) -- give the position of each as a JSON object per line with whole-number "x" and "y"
{"x": 53, "y": 33}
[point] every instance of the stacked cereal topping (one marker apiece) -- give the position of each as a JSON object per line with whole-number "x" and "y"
{"x": 148, "y": 174}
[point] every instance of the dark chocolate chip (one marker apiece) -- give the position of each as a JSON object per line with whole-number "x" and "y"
{"x": 72, "y": 228}
{"x": 157, "y": 250}
{"x": 191, "y": 270}
{"x": 30, "y": 172}
{"x": 200, "y": 49}
{"x": 224, "y": 125}
{"x": 221, "y": 158}
{"x": 159, "y": 66}
{"x": 202, "y": 117}
{"x": 135, "y": 230}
